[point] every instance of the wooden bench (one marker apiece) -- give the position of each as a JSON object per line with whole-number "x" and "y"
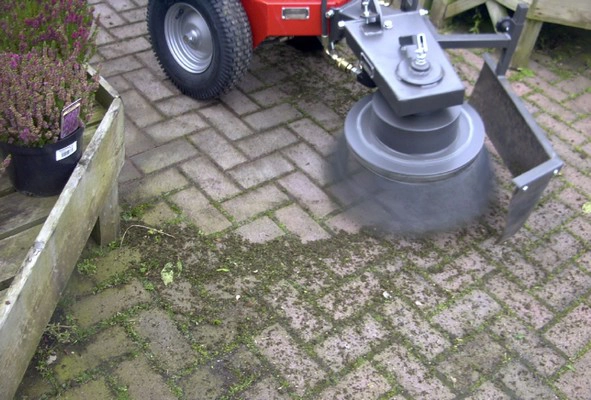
{"x": 575, "y": 13}
{"x": 41, "y": 239}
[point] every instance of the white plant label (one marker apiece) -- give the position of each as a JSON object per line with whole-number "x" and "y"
{"x": 66, "y": 151}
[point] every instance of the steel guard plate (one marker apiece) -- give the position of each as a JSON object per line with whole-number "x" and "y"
{"x": 521, "y": 143}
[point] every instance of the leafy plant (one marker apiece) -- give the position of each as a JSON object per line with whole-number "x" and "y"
{"x": 63, "y": 334}
{"x": 476, "y": 21}
{"x": 522, "y": 74}
{"x": 167, "y": 273}
{"x": 87, "y": 267}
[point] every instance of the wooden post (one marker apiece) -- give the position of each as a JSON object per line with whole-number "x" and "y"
{"x": 29, "y": 302}
{"x": 526, "y": 44}
{"x": 106, "y": 229}
{"x": 437, "y": 12}
{"x": 496, "y": 12}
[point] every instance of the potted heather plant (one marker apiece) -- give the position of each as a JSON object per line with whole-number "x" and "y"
{"x": 46, "y": 94}
{"x": 44, "y": 101}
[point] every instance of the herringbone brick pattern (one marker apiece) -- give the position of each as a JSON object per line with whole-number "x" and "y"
{"x": 299, "y": 310}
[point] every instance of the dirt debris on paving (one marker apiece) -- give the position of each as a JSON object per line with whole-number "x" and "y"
{"x": 241, "y": 274}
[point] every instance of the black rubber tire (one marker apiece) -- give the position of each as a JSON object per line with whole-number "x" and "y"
{"x": 232, "y": 46}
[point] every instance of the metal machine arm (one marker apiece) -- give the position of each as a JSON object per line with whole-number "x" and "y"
{"x": 401, "y": 53}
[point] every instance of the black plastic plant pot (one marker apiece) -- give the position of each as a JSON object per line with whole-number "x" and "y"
{"x": 43, "y": 171}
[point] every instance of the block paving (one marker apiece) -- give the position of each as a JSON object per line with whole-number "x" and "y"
{"x": 325, "y": 309}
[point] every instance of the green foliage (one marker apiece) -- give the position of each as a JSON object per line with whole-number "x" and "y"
{"x": 122, "y": 393}
{"x": 136, "y": 212}
{"x": 476, "y": 21}
{"x": 87, "y": 267}
{"x": 522, "y": 74}
{"x": 63, "y": 334}
{"x": 167, "y": 273}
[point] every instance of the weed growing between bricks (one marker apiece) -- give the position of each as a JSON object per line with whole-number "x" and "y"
{"x": 355, "y": 296}
{"x": 211, "y": 266}
{"x": 355, "y": 316}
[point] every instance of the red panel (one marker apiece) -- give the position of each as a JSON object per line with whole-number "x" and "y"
{"x": 266, "y": 20}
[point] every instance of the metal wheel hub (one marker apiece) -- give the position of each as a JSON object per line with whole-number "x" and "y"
{"x": 189, "y": 38}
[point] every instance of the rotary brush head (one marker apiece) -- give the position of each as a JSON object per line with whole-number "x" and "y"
{"x": 420, "y": 173}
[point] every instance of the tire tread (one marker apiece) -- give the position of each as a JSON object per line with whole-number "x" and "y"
{"x": 236, "y": 42}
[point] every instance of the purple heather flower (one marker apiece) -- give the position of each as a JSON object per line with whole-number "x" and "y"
{"x": 14, "y": 61}
{"x": 25, "y": 135}
{"x": 49, "y": 74}
{"x": 33, "y": 23}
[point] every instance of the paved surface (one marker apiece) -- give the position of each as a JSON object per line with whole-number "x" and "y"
{"x": 339, "y": 316}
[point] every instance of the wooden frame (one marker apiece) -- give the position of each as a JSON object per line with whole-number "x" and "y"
{"x": 89, "y": 202}
{"x": 575, "y": 13}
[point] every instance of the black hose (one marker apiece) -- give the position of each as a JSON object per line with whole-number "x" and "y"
{"x": 323, "y": 18}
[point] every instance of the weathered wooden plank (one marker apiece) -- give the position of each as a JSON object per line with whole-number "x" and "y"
{"x": 97, "y": 116}
{"x": 19, "y": 212}
{"x": 437, "y": 11}
{"x": 575, "y": 13}
{"x": 512, "y": 4}
{"x": 13, "y": 250}
{"x": 459, "y": 6}
{"x": 105, "y": 92}
{"x": 2, "y": 294}
{"x": 32, "y": 296}
{"x": 496, "y": 11}
{"x": 107, "y": 227}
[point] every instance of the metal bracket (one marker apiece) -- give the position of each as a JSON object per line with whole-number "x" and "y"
{"x": 520, "y": 142}
{"x": 506, "y": 40}
{"x": 371, "y": 13}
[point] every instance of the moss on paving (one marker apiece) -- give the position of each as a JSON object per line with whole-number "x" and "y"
{"x": 210, "y": 264}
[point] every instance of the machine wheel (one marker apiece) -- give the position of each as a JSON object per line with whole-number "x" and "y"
{"x": 204, "y": 46}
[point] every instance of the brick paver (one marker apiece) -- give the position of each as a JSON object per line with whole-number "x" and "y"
{"x": 164, "y": 339}
{"x": 299, "y": 310}
{"x": 92, "y": 309}
{"x": 298, "y": 369}
{"x": 414, "y": 327}
{"x": 299, "y": 316}
{"x": 110, "y": 343}
{"x": 141, "y": 381}
{"x": 353, "y": 342}
{"x": 414, "y": 377}
{"x": 364, "y": 384}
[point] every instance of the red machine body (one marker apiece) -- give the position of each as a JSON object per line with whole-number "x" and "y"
{"x": 285, "y": 17}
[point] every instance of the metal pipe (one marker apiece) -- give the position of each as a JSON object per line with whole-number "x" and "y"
{"x": 470, "y": 41}
{"x": 323, "y": 18}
